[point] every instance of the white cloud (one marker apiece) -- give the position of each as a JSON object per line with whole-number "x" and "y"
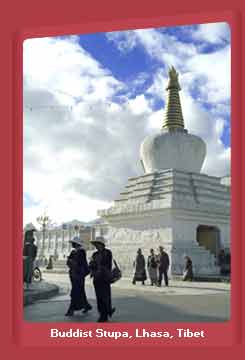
{"x": 206, "y": 124}
{"x": 212, "y": 70}
{"x": 76, "y": 160}
{"x": 65, "y": 207}
{"x": 215, "y": 69}
{"x": 161, "y": 46}
{"x": 66, "y": 69}
{"x": 139, "y": 105}
{"x": 81, "y": 145}
{"x": 210, "y": 129}
{"x": 215, "y": 33}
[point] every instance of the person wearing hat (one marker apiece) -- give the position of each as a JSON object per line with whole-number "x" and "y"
{"x": 101, "y": 267}
{"x": 78, "y": 270}
{"x": 29, "y": 255}
{"x": 163, "y": 265}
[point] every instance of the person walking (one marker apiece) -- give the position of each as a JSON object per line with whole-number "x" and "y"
{"x": 78, "y": 270}
{"x": 221, "y": 261}
{"x": 101, "y": 272}
{"x": 163, "y": 266}
{"x": 152, "y": 267}
{"x": 188, "y": 270}
{"x": 139, "y": 264}
{"x": 50, "y": 263}
{"x": 29, "y": 256}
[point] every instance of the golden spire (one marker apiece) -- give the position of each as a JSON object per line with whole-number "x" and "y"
{"x": 173, "y": 117}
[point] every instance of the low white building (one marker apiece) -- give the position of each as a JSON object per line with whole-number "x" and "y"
{"x": 56, "y": 242}
{"x": 172, "y": 204}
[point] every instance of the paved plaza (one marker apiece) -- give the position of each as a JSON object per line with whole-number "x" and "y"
{"x": 180, "y": 302}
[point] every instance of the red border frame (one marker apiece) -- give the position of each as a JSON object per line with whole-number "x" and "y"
{"x": 46, "y": 19}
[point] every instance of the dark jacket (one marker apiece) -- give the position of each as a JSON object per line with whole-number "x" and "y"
{"x": 188, "y": 264}
{"x": 188, "y": 271}
{"x": 101, "y": 265}
{"x": 140, "y": 273}
{"x": 30, "y": 250}
{"x": 77, "y": 263}
{"x": 163, "y": 261}
{"x": 152, "y": 261}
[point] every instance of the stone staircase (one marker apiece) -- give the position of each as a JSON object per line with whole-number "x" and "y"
{"x": 204, "y": 262}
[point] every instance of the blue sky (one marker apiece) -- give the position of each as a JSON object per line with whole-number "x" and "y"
{"x": 127, "y": 66}
{"x": 106, "y": 91}
{"x": 123, "y": 66}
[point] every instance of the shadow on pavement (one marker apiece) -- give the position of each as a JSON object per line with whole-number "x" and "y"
{"x": 135, "y": 309}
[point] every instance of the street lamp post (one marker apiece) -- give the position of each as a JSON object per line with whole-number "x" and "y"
{"x": 44, "y": 221}
{"x": 56, "y": 255}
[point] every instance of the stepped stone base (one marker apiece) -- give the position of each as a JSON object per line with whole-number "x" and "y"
{"x": 124, "y": 244}
{"x": 168, "y": 208}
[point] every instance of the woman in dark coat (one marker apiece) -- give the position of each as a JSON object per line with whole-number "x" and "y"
{"x": 101, "y": 267}
{"x": 188, "y": 271}
{"x": 29, "y": 255}
{"x": 78, "y": 270}
{"x": 139, "y": 264}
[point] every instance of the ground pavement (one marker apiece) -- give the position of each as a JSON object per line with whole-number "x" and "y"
{"x": 180, "y": 302}
{"x": 38, "y": 291}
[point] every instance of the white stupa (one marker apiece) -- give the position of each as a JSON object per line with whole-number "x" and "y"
{"x": 172, "y": 204}
{"x": 173, "y": 147}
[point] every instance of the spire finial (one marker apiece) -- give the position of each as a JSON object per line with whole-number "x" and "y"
{"x": 173, "y": 118}
{"x": 173, "y": 82}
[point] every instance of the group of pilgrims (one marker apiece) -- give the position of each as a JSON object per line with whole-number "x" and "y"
{"x": 100, "y": 269}
{"x": 158, "y": 266}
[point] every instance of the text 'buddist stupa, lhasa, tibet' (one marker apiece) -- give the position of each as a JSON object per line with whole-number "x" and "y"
{"x": 172, "y": 204}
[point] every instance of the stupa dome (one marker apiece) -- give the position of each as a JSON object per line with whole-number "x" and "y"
{"x": 173, "y": 147}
